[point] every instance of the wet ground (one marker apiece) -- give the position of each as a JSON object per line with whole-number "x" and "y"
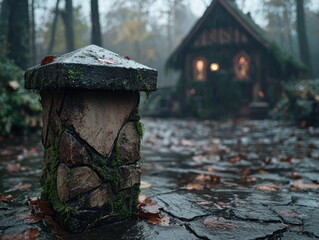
{"x": 230, "y": 180}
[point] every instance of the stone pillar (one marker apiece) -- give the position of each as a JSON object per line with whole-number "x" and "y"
{"x": 91, "y": 134}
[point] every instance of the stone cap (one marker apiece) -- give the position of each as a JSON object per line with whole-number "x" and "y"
{"x": 91, "y": 67}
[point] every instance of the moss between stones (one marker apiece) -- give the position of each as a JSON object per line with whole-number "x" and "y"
{"x": 116, "y": 163}
{"x": 139, "y": 128}
{"x": 50, "y": 194}
{"x": 125, "y": 203}
{"x": 49, "y": 185}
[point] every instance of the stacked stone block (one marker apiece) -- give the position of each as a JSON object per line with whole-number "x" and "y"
{"x": 91, "y": 136}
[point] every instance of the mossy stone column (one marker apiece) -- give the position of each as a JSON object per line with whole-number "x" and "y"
{"x": 91, "y": 134}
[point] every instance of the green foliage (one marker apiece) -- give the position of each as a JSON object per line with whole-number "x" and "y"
{"x": 299, "y": 102}
{"x": 19, "y": 108}
{"x": 217, "y": 97}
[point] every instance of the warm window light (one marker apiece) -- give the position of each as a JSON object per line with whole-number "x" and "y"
{"x": 200, "y": 65}
{"x": 261, "y": 94}
{"x": 200, "y": 69}
{"x": 214, "y": 67}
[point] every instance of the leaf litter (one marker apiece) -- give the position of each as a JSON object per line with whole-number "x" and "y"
{"x": 149, "y": 210}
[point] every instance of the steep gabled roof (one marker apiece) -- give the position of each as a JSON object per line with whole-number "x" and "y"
{"x": 244, "y": 20}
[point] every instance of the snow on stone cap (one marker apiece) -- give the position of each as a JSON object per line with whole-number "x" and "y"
{"x": 91, "y": 67}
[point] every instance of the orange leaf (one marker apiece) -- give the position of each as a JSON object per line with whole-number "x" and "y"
{"x": 194, "y": 186}
{"x": 14, "y": 167}
{"x": 295, "y": 175}
{"x": 286, "y": 159}
{"x": 300, "y": 185}
{"x": 5, "y": 198}
{"x": 269, "y": 188}
{"x": 48, "y": 59}
{"x": 22, "y": 186}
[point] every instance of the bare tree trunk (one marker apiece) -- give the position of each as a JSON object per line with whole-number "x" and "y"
{"x": 33, "y": 33}
{"x": 68, "y": 23}
{"x": 95, "y": 19}
{"x": 55, "y": 20}
{"x": 4, "y": 16}
{"x": 18, "y": 32}
{"x": 303, "y": 41}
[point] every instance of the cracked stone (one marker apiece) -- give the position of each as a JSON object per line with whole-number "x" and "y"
{"x": 72, "y": 153}
{"x": 129, "y": 144}
{"x": 251, "y": 211}
{"x": 289, "y": 214}
{"x": 181, "y": 205}
{"x": 100, "y": 196}
{"x": 223, "y": 229}
{"x": 46, "y": 100}
{"x": 62, "y": 183}
{"x": 97, "y": 116}
{"x": 81, "y": 180}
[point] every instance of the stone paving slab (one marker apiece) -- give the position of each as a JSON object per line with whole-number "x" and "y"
{"x": 222, "y": 229}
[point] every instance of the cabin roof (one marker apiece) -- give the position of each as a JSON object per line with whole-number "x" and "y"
{"x": 174, "y": 60}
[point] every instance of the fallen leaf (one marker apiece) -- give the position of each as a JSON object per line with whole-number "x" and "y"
{"x": 221, "y": 205}
{"x": 28, "y": 234}
{"x": 39, "y": 207}
{"x": 269, "y": 188}
{"x": 21, "y": 187}
{"x": 234, "y": 159}
{"x": 199, "y": 158}
{"x": 148, "y": 209}
{"x": 31, "y": 218}
{"x": 214, "y": 178}
{"x": 286, "y": 159}
{"x": 48, "y": 59}
{"x": 295, "y": 175}
{"x": 202, "y": 178}
{"x": 300, "y": 185}
{"x": 194, "y": 186}
{"x": 5, "y": 198}
{"x": 215, "y": 223}
{"x": 288, "y": 213}
{"x": 40, "y": 210}
{"x": 15, "y": 167}
{"x": 188, "y": 143}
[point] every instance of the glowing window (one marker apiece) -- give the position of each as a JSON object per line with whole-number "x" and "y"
{"x": 241, "y": 66}
{"x": 200, "y": 69}
{"x": 214, "y": 67}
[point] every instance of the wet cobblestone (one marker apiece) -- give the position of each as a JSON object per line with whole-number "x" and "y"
{"x": 230, "y": 180}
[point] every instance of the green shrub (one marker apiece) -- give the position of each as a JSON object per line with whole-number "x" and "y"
{"x": 299, "y": 103}
{"x": 19, "y": 108}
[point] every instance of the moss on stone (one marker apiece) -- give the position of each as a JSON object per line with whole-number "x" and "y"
{"x": 125, "y": 203}
{"x": 139, "y": 128}
{"x": 147, "y": 95}
{"x": 49, "y": 185}
{"x": 75, "y": 73}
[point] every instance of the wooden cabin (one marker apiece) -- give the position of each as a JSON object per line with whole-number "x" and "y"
{"x": 228, "y": 65}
